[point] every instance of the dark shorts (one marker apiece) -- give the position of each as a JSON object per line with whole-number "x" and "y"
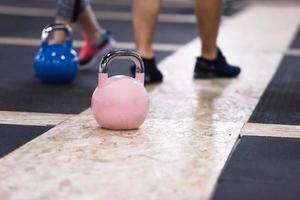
{"x": 70, "y": 9}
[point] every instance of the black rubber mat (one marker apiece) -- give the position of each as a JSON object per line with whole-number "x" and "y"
{"x": 261, "y": 168}
{"x": 17, "y": 80}
{"x": 280, "y": 103}
{"x": 30, "y": 27}
{"x": 230, "y": 6}
{"x": 20, "y": 91}
{"x": 296, "y": 42}
{"x": 121, "y": 7}
{"x": 14, "y": 136}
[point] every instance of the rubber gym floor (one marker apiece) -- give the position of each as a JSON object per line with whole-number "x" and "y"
{"x": 203, "y": 139}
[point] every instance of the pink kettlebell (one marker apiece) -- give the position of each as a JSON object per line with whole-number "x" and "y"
{"x": 120, "y": 102}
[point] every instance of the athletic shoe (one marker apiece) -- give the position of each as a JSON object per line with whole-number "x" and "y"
{"x": 152, "y": 73}
{"x": 215, "y": 68}
{"x": 91, "y": 54}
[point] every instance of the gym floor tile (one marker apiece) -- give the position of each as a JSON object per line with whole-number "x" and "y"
{"x": 100, "y": 6}
{"x": 236, "y": 190}
{"x": 21, "y": 91}
{"x": 296, "y": 41}
{"x": 14, "y": 136}
{"x": 271, "y": 130}
{"x": 280, "y": 101}
{"x": 31, "y": 27}
{"x": 263, "y": 167}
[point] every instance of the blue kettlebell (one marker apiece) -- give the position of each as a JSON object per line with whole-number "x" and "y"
{"x": 56, "y": 63}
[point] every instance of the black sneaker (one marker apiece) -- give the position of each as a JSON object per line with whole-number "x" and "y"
{"x": 152, "y": 73}
{"x": 215, "y": 68}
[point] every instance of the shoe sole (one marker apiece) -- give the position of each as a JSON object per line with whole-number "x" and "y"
{"x": 205, "y": 75}
{"x": 211, "y": 76}
{"x": 97, "y": 58}
{"x": 153, "y": 82}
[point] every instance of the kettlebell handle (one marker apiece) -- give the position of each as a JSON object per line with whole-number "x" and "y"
{"x": 52, "y": 27}
{"x": 121, "y": 54}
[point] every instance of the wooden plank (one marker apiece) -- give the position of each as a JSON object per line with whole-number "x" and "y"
{"x": 102, "y": 15}
{"x": 31, "y": 118}
{"x": 271, "y": 130}
{"x": 162, "y": 47}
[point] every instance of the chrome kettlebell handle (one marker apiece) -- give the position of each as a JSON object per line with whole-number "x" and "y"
{"x": 52, "y": 27}
{"x": 121, "y": 54}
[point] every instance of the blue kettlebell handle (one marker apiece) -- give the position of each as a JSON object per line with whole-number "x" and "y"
{"x": 53, "y": 27}
{"x": 122, "y": 54}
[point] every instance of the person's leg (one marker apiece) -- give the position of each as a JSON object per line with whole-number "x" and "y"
{"x": 64, "y": 15}
{"x": 89, "y": 24}
{"x": 212, "y": 62}
{"x": 97, "y": 41}
{"x": 208, "y": 14}
{"x": 145, "y": 14}
{"x": 79, "y": 11}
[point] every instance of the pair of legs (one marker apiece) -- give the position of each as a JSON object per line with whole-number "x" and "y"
{"x": 208, "y": 13}
{"x": 97, "y": 40}
{"x": 210, "y": 63}
{"x": 79, "y": 12}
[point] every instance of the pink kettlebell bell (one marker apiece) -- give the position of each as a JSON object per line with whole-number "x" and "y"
{"x": 120, "y": 102}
